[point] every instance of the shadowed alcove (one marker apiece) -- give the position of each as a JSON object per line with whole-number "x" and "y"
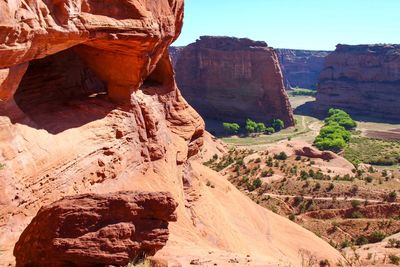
{"x": 60, "y": 92}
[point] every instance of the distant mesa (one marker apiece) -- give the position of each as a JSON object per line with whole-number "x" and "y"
{"x": 301, "y": 68}
{"x": 231, "y": 79}
{"x": 363, "y": 80}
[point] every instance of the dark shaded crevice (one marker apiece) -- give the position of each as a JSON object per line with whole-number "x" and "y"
{"x": 60, "y": 92}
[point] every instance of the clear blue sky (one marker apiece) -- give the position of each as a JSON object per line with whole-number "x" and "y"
{"x": 301, "y": 24}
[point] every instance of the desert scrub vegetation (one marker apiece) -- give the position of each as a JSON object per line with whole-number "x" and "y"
{"x": 335, "y": 134}
{"x": 376, "y": 237}
{"x": 145, "y": 263}
{"x": 394, "y": 259}
{"x": 281, "y": 156}
{"x": 233, "y": 157}
{"x": 372, "y": 151}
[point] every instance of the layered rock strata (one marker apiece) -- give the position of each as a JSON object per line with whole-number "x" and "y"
{"x": 301, "y": 68}
{"x": 233, "y": 79}
{"x": 363, "y": 80}
{"x": 97, "y": 230}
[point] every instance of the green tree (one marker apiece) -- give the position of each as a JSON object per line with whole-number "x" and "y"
{"x": 332, "y": 137}
{"x": 251, "y": 126}
{"x": 341, "y": 117}
{"x": 232, "y": 128}
{"x": 278, "y": 125}
{"x": 260, "y": 128}
{"x": 269, "y": 130}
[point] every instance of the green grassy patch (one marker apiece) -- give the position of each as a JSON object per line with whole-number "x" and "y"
{"x": 373, "y": 151}
{"x": 302, "y": 92}
{"x": 301, "y": 129}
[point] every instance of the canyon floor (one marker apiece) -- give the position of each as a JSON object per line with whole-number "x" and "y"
{"x": 352, "y": 207}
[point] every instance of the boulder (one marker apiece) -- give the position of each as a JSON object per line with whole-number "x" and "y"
{"x": 97, "y": 230}
{"x": 311, "y": 152}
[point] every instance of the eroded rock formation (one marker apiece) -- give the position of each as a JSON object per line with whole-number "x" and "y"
{"x": 311, "y": 152}
{"x": 89, "y": 105}
{"x": 97, "y": 230}
{"x": 363, "y": 80}
{"x": 233, "y": 79}
{"x": 301, "y": 68}
{"x": 88, "y": 98}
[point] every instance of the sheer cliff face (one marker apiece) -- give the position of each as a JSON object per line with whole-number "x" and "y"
{"x": 362, "y": 79}
{"x": 233, "y": 79}
{"x": 301, "y": 68}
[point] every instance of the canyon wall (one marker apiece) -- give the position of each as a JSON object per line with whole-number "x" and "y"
{"x": 231, "y": 79}
{"x": 363, "y": 80}
{"x": 301, "y": 68}
{"x": 89, "y": 105}
{"x": 174, "y": 53}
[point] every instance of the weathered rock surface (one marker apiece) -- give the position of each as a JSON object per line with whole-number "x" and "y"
{"x": 89, "y": 105}
{"x": 88, "y": 100}
{"x": 311, "y": 152}
{"x": 363, "y": 80}
{"x": 233, "y": 79}
{"x": 301, "y": 68}
{"x": 97, "y": 230}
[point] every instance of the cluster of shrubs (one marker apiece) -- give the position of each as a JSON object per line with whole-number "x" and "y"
{"x": 335, "y": 134}
{"x": 374, "y": 237}
{"x": 254, "y": 127}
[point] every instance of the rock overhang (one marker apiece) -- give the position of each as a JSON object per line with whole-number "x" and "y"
{"x": 121, "y": 42}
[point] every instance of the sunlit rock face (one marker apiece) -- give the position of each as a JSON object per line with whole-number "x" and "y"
{"x": 97, "y": 230}
{"x": 88, "y": 103}
{"x": 363, "y": 80}
{"x": 232, "y": 79}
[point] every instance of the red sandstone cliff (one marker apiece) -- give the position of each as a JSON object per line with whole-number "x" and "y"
{"x": 363, "y": 80}
{"x": 301, "y": 68}
{"x": 233, "y": 79}
{"x": 89, "y": 105}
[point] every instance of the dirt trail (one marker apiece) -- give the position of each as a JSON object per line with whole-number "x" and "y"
{"x": 325, "y": 198}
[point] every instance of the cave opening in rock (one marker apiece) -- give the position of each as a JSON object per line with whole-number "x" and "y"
{"x": 161, "y": 78}
{"x": 60, "y": 92}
